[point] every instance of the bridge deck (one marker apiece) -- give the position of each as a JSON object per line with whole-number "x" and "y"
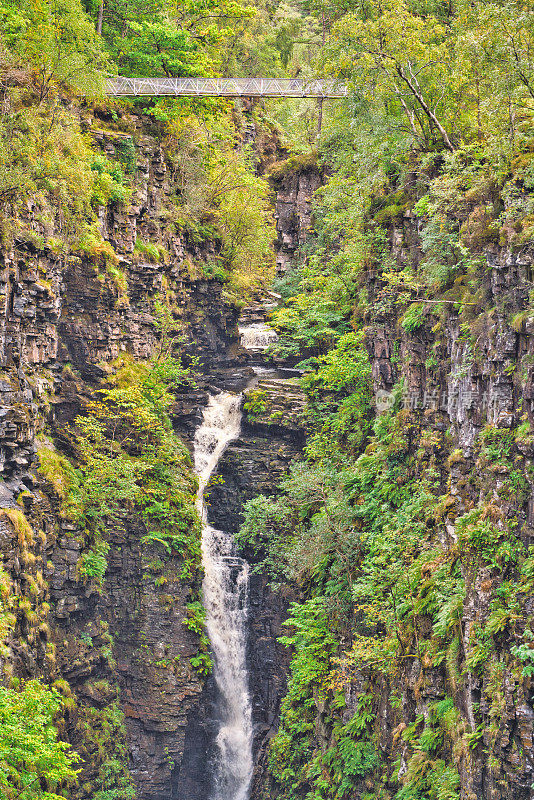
{"x": 225, "y": 87}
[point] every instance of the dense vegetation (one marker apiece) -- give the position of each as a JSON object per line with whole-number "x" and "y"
{"x": 387, "y": 529}
{"x": 50, "y": 52}
{"x": 430, "y": 161}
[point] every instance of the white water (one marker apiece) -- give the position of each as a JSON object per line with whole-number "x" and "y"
{"x": 225, "y": 594}
{"x": 257, "y": 336}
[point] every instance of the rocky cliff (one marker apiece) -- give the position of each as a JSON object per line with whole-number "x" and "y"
{"x": 295, "y": 185}
{"x": 468, "y": 385}
{"x": 136, "y": 711}
{"x": 65, "y": 322}
{"x": 423, "y": 684}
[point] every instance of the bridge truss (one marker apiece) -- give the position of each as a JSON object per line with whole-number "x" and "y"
{"x": 225, "y": 87}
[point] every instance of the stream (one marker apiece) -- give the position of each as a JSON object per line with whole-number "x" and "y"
{"x": 225, "y": 593}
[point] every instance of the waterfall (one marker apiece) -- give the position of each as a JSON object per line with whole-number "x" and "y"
{"x": 257, "y": 336}
{"x": 225, "y": 594}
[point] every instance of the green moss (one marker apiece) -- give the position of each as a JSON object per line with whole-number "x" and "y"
{"x": 297, "y": 163}
{"x": 480, "y": 229}
{"x": 148, "y": 249}
{"x": 120, "y": 280}
{"x": 21, "y": 526}
{"x": 104, "y": 746}
{"x": 126, "y": 154}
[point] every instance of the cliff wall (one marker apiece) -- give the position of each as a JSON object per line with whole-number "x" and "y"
{"x": 117, "y": 648}
{"x": 466, "y": 381}
{"x": 66, "y": 320}
{"x": 419, "y": 535}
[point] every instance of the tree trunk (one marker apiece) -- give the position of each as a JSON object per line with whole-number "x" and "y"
{"x": 100, "y": 18}
{"x": 418, "y": 94}
{"x": 320, "y": 122}
{"x": 320, "y": 101}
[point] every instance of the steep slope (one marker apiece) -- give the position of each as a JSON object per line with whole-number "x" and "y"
{"x": 409, "y": 527}
{"x": 106, "y": 620}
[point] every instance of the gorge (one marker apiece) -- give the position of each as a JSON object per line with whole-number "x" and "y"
{"x": 267, "y": 404}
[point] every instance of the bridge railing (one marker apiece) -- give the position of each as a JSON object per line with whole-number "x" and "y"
{"x": 225, "y": 87}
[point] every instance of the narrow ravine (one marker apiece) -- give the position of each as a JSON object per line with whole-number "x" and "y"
{"x": 225, "y": 595}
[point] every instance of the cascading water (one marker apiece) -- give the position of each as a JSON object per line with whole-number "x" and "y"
{"x": 257, "y": 336}
{"x": 225, "y": 593}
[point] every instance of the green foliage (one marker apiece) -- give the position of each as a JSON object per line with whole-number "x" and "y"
{"x": 338, "y": 389}
{"x": 33, "y": 762}
{"x": 338, "y": 771}
{"x": 196, "y": 615}
{"x": 437, "y": 125}
{"x": 195, "y": 621}
{"x": 497, "y": 444}
{"x": 525, "y": 653}
{"x": 315, "y": 314}
{"x": 44, "y": 155}
{"x": 52, "y": 49}
{"x": 59, "y": 43}
{"x": 429, "y": 778}
{"x": 93, "y": 563}
{"x": 149, "y": 250}
{"x": 128, "y": 458}
{"x": 7, "y": 604}
{"x": 244, "y": 220}
{"x": 109, "y": 186}
{"x": 255, "y": 404}
{"x": 396, "y": 577}
{"x": 292, "y": 749}
{"x": 436, "y": 77}
{"x": 268, "y": 530}
{"x": 126, "y": 154}
{"x": 223, "y": 199}
{"x": 308, "y": 323}
{"x": 414, "y": 318}
{"x": 104, "y": 745}
{"x": 497, "y": 544}
{"x": 442, "y": 254}
{"x": 154, "y": 39}
{"x": 202, "y": 663}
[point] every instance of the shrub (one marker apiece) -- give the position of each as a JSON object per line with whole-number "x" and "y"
{"x": 31, "y": 755}
{"x": 93, "y": 564}
{"x": 414, "y": 318}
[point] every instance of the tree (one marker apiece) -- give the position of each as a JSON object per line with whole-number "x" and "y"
{"x": 59, "y": 43}
{"x": 158, "y": 38}
{"x": 34, "y": 764}
{"x": 496, "y": 51}
{"x": 402, "y": 60}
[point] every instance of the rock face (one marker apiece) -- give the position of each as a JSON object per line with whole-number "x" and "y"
{"x": 64, "y": 321}
{"x": 148, "y": 643}
{"x": 452, "y": 392}
{"x": 293, "y": 210}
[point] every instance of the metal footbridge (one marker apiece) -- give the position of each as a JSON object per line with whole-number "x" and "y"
{"x": 225, "y": 87}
